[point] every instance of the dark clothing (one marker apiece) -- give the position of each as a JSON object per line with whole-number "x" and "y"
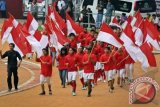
{"x": 12, "y": 67}
{"x": 100, "y": 8}
{"x": 70, "y": 9}
{"x": 63, "y": 76}
{"x": 13, "y": 70}
{"x": 12, "y": 58}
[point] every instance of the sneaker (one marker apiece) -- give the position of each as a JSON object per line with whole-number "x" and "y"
{"x": 73, "y": 94}
{"x": 42, "y": 93}
{"x": 89, "y": 95}
{"x": 110, "y": 90}
{"x": 50, "y": 92}
{"x": 9, "y": 90}
{"x": 84, "y": 88}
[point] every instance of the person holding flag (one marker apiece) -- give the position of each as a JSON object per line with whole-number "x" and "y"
{"x": 89, "y": 61}
{"x": 46, "y": 70}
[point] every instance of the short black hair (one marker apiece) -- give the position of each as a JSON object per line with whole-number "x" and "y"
{"x": 71, "y": 34}
{"x": 45, "y": 49}
{"x": 12, "y": 44}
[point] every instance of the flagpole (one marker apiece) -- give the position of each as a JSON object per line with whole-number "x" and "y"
{"x": 123, "y": 59}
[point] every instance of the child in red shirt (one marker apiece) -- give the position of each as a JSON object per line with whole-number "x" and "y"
{"x": 79, "y": 56}
{"x": 108, "y": 61}
{"x": 71, "y": 63}
{"x": 89, "y": 60}
{"x": 46, "y": 70}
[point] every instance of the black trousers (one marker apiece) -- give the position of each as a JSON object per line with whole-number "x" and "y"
{"x": 12, "y": 70}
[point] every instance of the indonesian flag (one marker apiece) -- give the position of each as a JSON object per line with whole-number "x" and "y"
{"x": 6, "y": 30}
{"x": 152, "y": 35}
{"x": 35, "y": 44}
{"x": 14, "y": 21}
{"x": 42, "y": 39}
{"x": 136, "y": 19}
{"x": 115, "y": 22}
{"x": 140, "y": 34}
{"x": 107, "y": 35}
{"x": 128, "y": 21}
{"x": 146, "y": 57}
{"x": 60, "y": 23}
{"x": 72, "y": 27}
{"x": 56, "y": 36}
{"x": 31, "y": 24}
{"x": 127, "y": 35}
{"x": 21, "y": 44}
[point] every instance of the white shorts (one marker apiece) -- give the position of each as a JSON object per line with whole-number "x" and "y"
{"x": 72, "y": 76}
{"x": 81, "y": 73}
{"x": 109, "y": 74}
{"x": 98, "y": 66}
{"x": 121, "y": 73}
{"x": 88, "y": 76}
{"x": 44, "y": 79}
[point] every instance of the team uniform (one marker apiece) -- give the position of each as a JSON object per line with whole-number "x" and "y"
{"x": 71, "y": 62}
{"x": 79, "y": 57}
{"x": 108, "y": 67}
{"x": 89, "y": 67}
{"x": 46, "y": 69}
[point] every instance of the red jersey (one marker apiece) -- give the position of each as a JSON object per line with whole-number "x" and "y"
{"x": 89, "y": 39}
{"x": 62, "y": 62}
{"x": 120, "y": 61}
{"x": 71, "y": 60}
{"x": 46, "y": 69}
{"x": 107, "y": 58}
{"x": 81, "y": 38}
{"x": 73, "y": 43}
{"x": 79, "y": 57}
{"x": 89, "y": 67}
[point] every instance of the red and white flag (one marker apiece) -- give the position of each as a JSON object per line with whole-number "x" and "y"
{"x": 6, "y": 30}
{"x": 35, "y": 44}
{"x": 59, "y": 21}
{"x": 127, "y": 36}
{"x": 115, "y": 23}
{"x": 128, "y": 21}
{"x": 72, "y": 27}
{"x": 43, "y": 39}
{"x": 107, "y": 35}
{"x": 31, "y": 24}
{"x": 137, "y": 19}
{"x": 56, "y": 36}
{"x": 146, "y": 58}
{"x": 21, "y": 44}
{"x": 152, "y": 36}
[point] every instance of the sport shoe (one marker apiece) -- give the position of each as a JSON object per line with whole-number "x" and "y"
{"x": 89, "y": 95}
{"x": 84, "y": 88}
{"x": 50, "y": 92}
{"x": 42, "y": 93}
{"x": 73, "y": 94}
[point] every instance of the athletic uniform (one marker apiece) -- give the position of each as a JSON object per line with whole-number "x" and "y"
{"x": 46, "y": 69}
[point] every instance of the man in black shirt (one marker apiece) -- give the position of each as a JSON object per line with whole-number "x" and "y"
{"x": 12, "y": 65}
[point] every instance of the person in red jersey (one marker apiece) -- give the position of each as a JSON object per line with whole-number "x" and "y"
{"x": 89, "y": 38}
{"x": 79, "y": 56}
{"x": 129, "y": 67}
{"x": 82, "y": 37}
{"x": 89, "y": 60}
{"x": 71, "y": 63}
{"x": 62, "y": 66}
{"x": 108, "y": 61}
{"x": 46, "y": 70}
{"x": 73, "y": 40}
{"x": 120, "y": 58}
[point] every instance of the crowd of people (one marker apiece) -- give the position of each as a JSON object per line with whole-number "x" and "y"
{"x": 84, "y": 56}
